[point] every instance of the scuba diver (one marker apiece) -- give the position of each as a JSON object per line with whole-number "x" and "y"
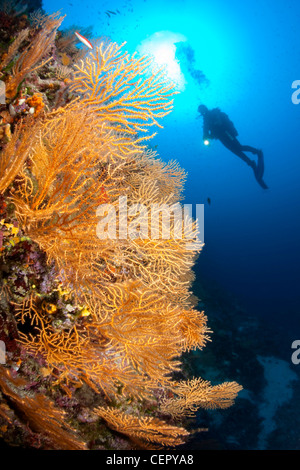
{"x": 217, "y": 125}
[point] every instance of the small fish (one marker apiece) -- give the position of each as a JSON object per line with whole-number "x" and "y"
{"x": 112, "y": 12}
{"x": 208, "y": 200}
{"x": 84, "y": 40}
{"x": 107, "y": 14}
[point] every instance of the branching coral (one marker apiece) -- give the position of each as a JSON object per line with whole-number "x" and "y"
{"x": 31, "y": 57}
{"x": 122, "y": 89}
{"x": 40, "y": 413}
{"x": 14, "y": 155}
{"x": 113, "y": 313}
{"x": 13, "y": 48}
{"x": 199, "y": 393}
{"x": 143, "y": 428}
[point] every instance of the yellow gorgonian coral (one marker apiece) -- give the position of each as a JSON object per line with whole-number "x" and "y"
{"x": 195, "y": 393}
{"x": 135, "y": 313}
{"x": 31, "y": 58}
{"x": 143, "y": 428}
{"x": 122, "y": 89}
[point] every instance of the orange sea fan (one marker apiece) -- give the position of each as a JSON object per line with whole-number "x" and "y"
{"x": 198, "y": 393}
{"x": 39, "y": 412}
{"x": 13, "y": 48}
{"x": 122, "y": 89}
{"x": 136, "y": 289}
{"x": 143, "y": 428}
{"x": 30, "y": 59}
{"x": 14, "y": 154}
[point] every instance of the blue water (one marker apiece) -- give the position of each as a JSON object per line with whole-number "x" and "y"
{"x": 249, "y": 54}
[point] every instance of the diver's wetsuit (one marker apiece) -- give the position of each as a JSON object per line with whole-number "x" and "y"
{"x": 238, "y": 149}
{"x": 216, "y": 125}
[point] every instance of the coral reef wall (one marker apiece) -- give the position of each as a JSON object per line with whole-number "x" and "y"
{"x": 96, "y": 303}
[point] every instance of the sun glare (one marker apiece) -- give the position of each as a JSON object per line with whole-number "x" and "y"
{"x": 161, "y": 46}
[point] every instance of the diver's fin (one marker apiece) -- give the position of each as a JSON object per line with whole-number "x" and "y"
{"x": 259, "y": 170}
{"x": 260, "y": 164}
{"x": 261, "y": 183}
{"x": 259, "y": 179}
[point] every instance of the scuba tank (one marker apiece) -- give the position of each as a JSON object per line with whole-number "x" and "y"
{"x": 220, "y": 121}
